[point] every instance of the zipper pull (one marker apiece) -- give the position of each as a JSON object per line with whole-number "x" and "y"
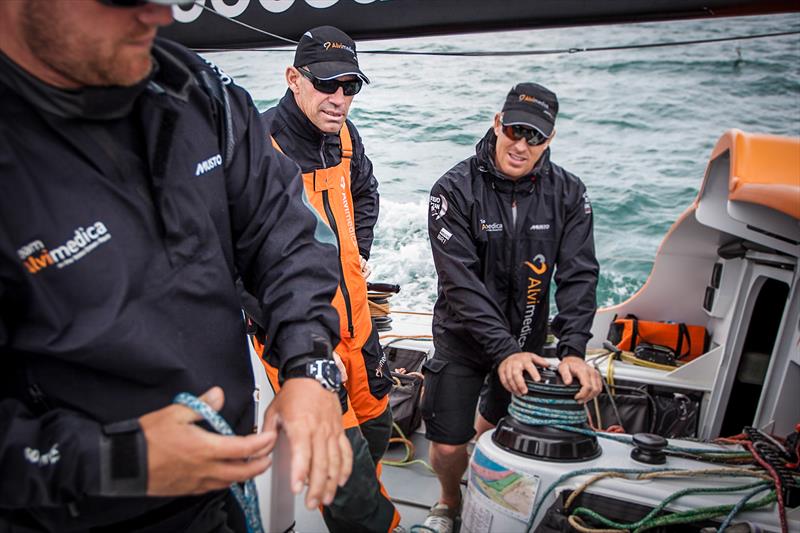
{"x": 37, "y": 396}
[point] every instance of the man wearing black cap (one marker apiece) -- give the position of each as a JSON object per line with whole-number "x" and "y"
{"x": 127, "y": 204}
{"x": 310, "y": 125}
{"x": 500, "y": 224}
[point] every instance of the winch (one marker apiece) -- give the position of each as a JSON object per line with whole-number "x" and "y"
{"x": 542, "y": 470}
{"x": 540, "y": 423}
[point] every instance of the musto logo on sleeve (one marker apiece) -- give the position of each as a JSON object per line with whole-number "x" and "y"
{"x": 532, "y": 295}
{"x": 36, "y": 255}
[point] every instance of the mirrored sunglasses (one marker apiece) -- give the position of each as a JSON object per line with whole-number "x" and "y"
{"x": 349, "y": 87}
{"x": 532, "y": 137}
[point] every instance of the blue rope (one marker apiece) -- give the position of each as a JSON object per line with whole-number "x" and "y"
{"x": 529, "y": 410}
{"x": 247, "y": 497}
{"x": 738, "y": 507}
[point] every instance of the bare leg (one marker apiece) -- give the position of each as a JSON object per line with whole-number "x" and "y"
{"x": 449, "y": 462}
{"x": 482, "y": 426}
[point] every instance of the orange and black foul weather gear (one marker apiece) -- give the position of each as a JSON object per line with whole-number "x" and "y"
{"x": 339, "y": 184}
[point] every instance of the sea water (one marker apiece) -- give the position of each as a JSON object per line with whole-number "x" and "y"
{"x": 637, "y": 126}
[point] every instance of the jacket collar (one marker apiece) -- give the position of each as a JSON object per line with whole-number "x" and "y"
{"x": 168, "y": 75}
{"x": 484, "y": 153}
{"x": 172, "y": 76}
{"x": 299, "y": 124}
{"x": 93, "y": 103}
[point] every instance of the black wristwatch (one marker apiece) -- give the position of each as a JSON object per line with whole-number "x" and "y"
{"x": 324, "y": 371}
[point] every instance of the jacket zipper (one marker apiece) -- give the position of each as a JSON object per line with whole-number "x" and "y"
{"x": 332, "y": 220}
{"x": 38, "y": 397}
{"x": 513, "y": 262}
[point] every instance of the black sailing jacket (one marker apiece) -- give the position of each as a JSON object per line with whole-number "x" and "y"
{"x": 495, "y": 273}
{"x": 120, "y": 237}
{"x": 312, "y": 150}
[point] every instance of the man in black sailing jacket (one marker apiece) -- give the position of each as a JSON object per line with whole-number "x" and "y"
{"x": 501, "y": 223}
{"x": 135, "y": 187}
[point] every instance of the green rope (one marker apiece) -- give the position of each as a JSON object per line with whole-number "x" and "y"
{"x": 408, "y": 460}
{"x": 687, "y": 517}
{"x": 540, "y": 500}
{"x": 582, "y": 511}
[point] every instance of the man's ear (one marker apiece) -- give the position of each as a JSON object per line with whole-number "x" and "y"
{"x": 293, "y": 79}
{"x": 498, "y": 124}
{"x": 550, "y": 139}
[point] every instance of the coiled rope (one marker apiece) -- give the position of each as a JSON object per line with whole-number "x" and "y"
{"x": 247, "y": 497}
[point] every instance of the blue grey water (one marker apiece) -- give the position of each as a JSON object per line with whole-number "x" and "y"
{"x": 637, "y": 126}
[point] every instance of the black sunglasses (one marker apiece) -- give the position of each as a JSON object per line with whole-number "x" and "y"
{"x": 349, "y": 87}
{"x": 137, "y": 3}
{"x": 532, "y": 137}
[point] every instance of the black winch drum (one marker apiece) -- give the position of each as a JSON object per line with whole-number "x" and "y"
{"x": 548, "y": 443}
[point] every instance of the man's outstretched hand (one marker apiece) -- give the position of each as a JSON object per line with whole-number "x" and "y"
{"x": 312, "y": 419}
{"x": 183, "y": 458}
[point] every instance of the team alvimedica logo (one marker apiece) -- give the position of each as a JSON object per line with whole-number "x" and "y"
{"x": 36, "y": 256}
{"x": 532, "y": 296}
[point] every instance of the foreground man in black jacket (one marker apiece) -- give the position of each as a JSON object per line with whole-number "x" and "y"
{"x": 500, "y": 224}
{"x": 129, "y": 203}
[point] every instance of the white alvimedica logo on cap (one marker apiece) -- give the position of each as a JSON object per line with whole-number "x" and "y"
{"x": 333, "y": 44}
{"x": 36, "y": 255}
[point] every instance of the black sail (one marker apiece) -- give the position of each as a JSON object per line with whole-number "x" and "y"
{"x": 374, "y": 19}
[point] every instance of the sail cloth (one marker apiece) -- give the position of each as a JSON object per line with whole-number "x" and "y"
{"x": 200, "y": 29}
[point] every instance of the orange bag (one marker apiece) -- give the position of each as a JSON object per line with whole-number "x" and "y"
{"x": 688, "y": 342}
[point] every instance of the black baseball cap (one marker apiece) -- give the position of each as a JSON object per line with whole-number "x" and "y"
{"x": 532, "y": 105}
{"x": 328, "y": 53}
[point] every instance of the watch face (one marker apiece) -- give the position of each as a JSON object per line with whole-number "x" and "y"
{"x": 327, "y": 373}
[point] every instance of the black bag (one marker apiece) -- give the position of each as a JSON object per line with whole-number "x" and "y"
{"x": 404, "y": 401}
{"x": 407, "y": 390}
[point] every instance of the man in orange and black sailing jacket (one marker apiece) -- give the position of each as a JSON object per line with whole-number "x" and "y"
{"x": 124, "y": 214}
{"x": 503, "y": 224}
{"x": 310, "y": 125}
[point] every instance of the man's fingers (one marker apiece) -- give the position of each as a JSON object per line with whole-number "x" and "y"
{"x": 334, "y": 466}
{"x": 235, "y": 447}
{"x": 533, "y": 372}
{"x": 346, "y": 466}
{"x": 566, "y": 374}
{"x": 334, "y": 462}
{"x": 214, "y": 397}
{"x": 182, "y": 414}
{"x": 590, "y": 384}
{"x": 300, "y": 445}
{"x": 227, "y": 472}
{"x": 520, "y": 387}
{"x": 318, "y": 476}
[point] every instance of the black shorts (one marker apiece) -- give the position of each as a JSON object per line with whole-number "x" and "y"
{"x": 452, "y": 390}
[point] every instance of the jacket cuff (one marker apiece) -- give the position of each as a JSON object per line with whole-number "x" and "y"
{"x": 509, "y": 348}
{"x": 571, "y": 347}
{"x": 298, "y": 343}
{"x": 123, "y": 459}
